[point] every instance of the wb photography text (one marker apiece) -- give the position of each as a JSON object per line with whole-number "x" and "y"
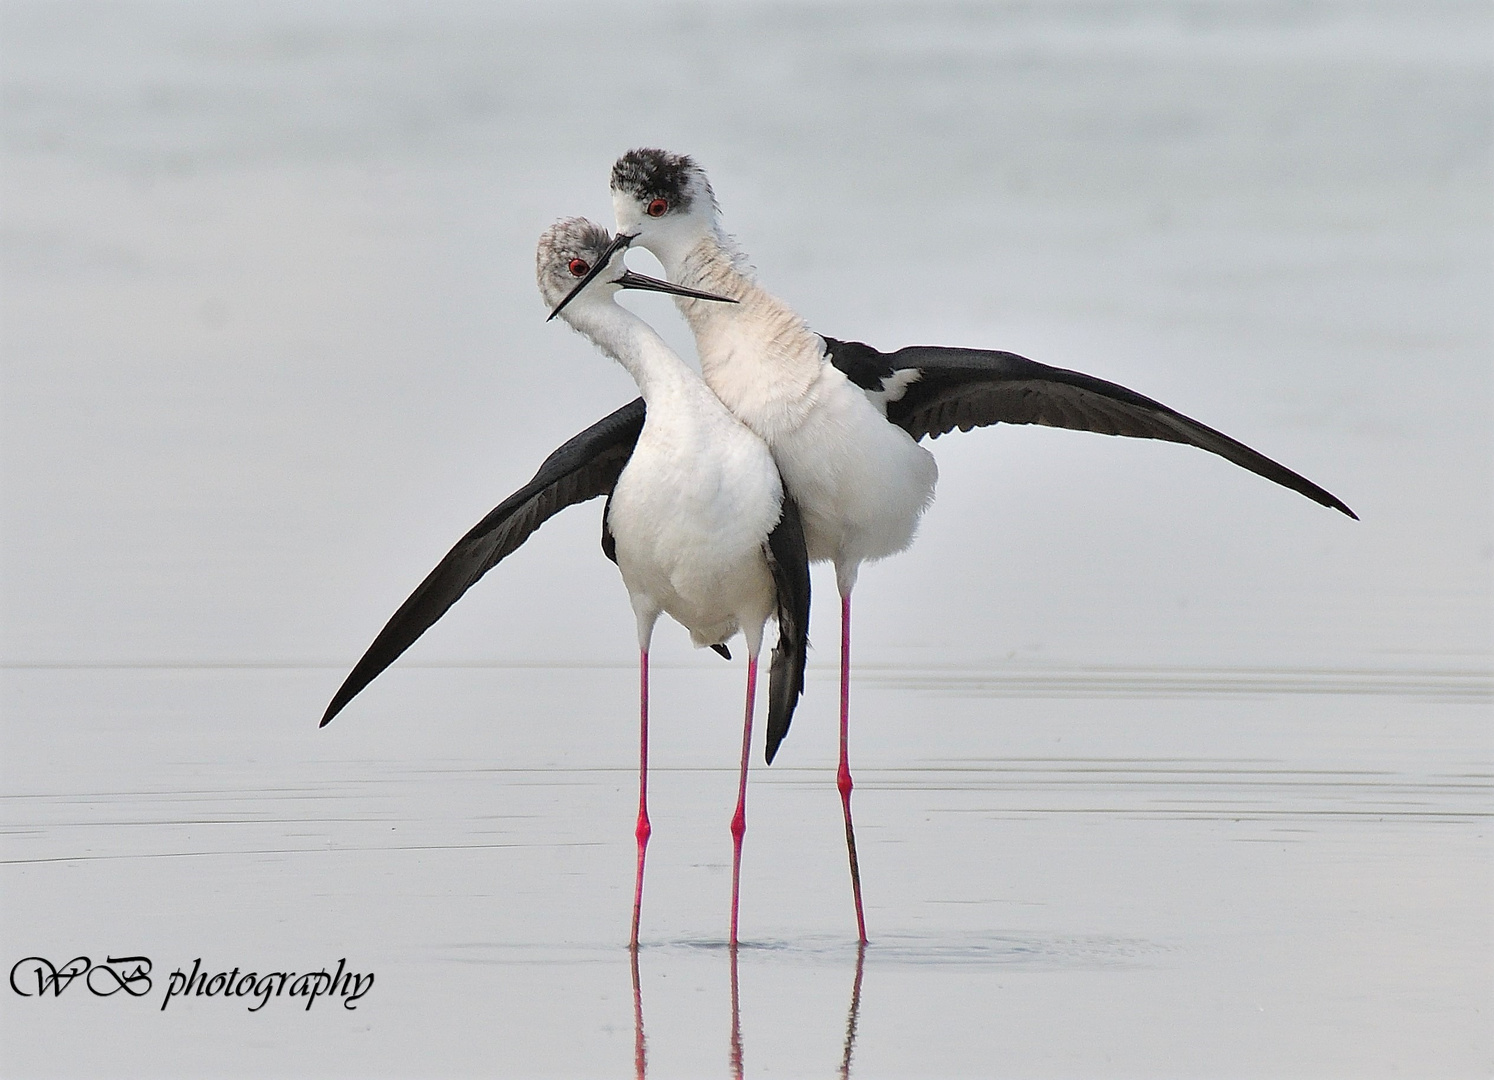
{"x": 38, "y": 977}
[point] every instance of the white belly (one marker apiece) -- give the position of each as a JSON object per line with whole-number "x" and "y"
{"x": 861, "y": 483}
{"x": 690, "y": 519}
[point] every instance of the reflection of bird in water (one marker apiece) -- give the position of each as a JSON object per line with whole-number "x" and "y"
{"x": 842, "y": 419}
{"x": 845, "y": 1059}
{"x": 640, "y": 1045}
{"x": 735, "y": 1055}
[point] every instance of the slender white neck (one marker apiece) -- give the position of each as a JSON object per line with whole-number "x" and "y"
{"x": 711, "y": 262}
{"x": 756, "y": 354}
{"x": 633, "y": 343}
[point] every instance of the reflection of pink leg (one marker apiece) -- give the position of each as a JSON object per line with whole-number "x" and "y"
{"x": 640, "y": 1045}
{"x": 843, "y": 778}
{"x": 850, "y": 1047}
{"x": 739, "y": 819}
{"x": 643, "y": 830}
{"x": 736, "y": 1020}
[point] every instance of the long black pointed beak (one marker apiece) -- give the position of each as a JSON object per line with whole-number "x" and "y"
{"x": 630, "y": 280}
{"x": 643, "y": 282}
{"x": 620, "y": 241}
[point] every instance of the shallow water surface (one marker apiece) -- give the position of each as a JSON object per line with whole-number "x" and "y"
{"x": 1056, "y": 882}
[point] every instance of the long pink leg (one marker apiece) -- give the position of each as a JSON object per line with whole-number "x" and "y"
{"x": 739, "y": 819}
{"x": 843, "y": 778}
{"x": 643, "y": 830}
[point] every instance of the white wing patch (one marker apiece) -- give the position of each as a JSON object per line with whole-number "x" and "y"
{"x": 894, "y": 387}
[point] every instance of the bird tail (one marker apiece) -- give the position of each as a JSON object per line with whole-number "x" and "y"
{"x": 789, "y": 561}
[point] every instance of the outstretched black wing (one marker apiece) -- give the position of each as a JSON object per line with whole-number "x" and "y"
{"x": 789, "y": 561}
{"x": 931, "y": 390}
{"x": 583, "y": 468}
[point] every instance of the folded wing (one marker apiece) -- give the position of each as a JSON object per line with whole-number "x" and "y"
{"x": 789, "y": 561}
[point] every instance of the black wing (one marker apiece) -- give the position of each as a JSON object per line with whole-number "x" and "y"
{"x": 967, "y": 388}
{"x": 789, "y": 561}
{"x": 583, "y": 468}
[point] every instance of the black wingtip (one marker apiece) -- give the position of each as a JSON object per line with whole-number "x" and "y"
{"x": 1302, "y": 485}
{"x": 723, "y": 650}
{"x": 345, "y": 693}
{"x": 1318, "y": 495}
{"x": 790, "y": 565}
{"x": 772, "y": 748}
{"x": 386, "y": 648}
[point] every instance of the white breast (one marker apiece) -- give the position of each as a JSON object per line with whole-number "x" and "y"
{"x": 861, "y": 482}
{"x": 690, "y": 514}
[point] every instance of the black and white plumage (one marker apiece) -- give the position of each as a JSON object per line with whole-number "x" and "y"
{"x": 927, "y": 390}
{"x": 582, "y": 468}
{"x": 844, "y": 420}
{"x": 696, "y": 519}
{"x": 701, "y": 527}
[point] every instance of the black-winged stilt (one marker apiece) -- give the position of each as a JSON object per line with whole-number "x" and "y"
{"x": 696, "y": 519}
{"x": 843, "y": 420}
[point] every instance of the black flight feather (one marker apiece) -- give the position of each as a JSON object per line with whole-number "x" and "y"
{"x": 967, "y": 388}
{"x": 789, "y": 561}
{"x": 583, "y": 468}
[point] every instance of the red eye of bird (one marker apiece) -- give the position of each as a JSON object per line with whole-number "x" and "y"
{"x": 579, "y": 267}
{"x": 658, "y": 207}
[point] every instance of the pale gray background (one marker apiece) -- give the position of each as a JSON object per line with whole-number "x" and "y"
{"x": 1166, "y": 770}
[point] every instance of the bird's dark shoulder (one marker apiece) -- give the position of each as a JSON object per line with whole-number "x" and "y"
{"x": 863, "y": 365}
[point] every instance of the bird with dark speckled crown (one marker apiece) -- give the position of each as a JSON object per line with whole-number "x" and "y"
{"x": 843, "y": 419}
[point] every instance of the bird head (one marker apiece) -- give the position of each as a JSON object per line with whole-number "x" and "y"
{"x": 578, "y": 263}
{"x": 664, "y": 200}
